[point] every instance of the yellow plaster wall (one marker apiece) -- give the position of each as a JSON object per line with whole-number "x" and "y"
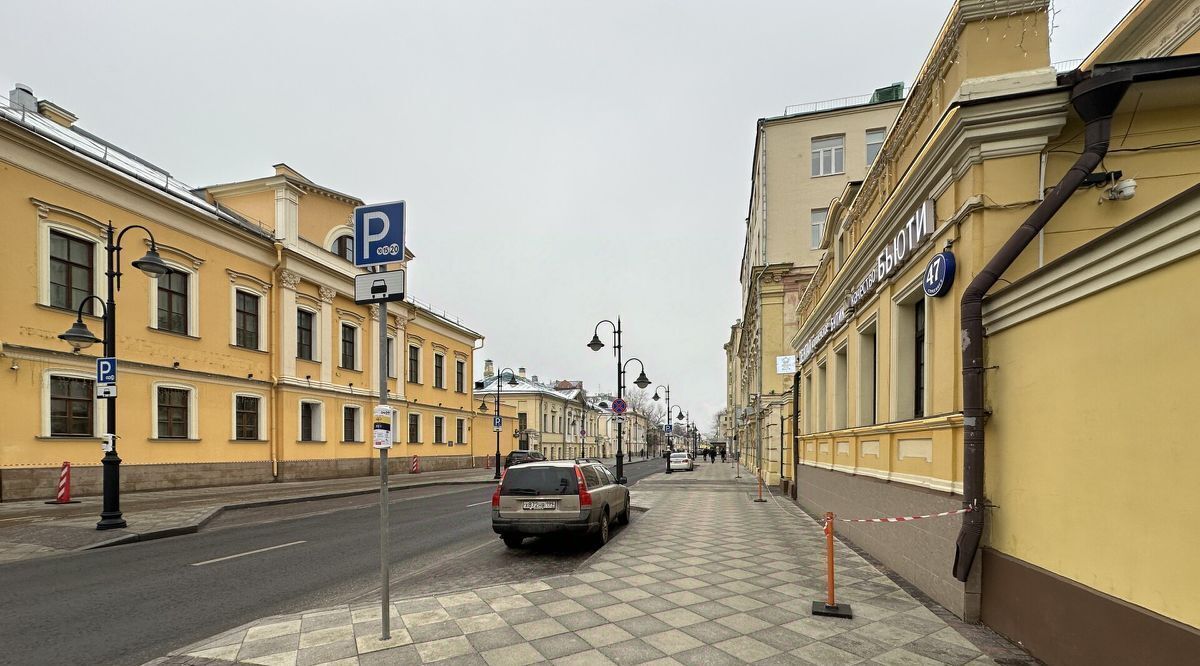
{"x": 318, "y": 214}
{"x": 1089, "y": 457}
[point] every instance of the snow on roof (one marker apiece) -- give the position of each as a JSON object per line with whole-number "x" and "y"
{"x": 123, "y": 162}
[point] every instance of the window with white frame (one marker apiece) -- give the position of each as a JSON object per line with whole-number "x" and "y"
{"x": 173, "y": 302}
{"x": 306, "y": 340}
{"x": 875, "y": 143}
{"x": 909, "y": 352}
{"x": 828, "y": 155}
{"x": 439, "y": 370}
{"x": 349, "y": 346}
{"x": 312, "y": 427}
{"x": 841, "y": 389}
{"x": 460, "y": 431}
{"x": 822, "y": 388}
{"x": 247, "y": 417}
{"x": 460, "y": 375}
{"x": 414, "y": 364}
{"x": 867, "y": 374}
{"x": 414, "y": 427}
{"x": 174, "y": 412}
{"x": 391, "y": 356}
{"x": 818, "y": 216}
{"x": 72, "y": 406}
{"x": 246, "y": 319}
{"x": 439, "y": 430}
{"x": 72, "y": 271}
{"x": 351, "y": 423}
{"x": 343, "y": 246}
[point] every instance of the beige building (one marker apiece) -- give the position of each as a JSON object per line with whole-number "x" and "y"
{"x": 802, "y": 161}
{"x": 549, "y": 420}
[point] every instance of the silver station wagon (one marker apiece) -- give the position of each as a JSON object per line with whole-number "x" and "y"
{"x": 559, "y": 496}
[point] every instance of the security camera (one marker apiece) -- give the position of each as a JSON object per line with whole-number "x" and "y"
{"x": 1124, "y": 189}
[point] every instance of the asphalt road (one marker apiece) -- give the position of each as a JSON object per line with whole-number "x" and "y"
{"x": 129, "y": 604}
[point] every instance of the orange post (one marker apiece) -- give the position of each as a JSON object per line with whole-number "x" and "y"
{"x": 830, "y": 607}
{"x": 760, "y": 497}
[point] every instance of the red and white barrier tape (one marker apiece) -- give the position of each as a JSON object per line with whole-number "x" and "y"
{"x": 904, "y": 519}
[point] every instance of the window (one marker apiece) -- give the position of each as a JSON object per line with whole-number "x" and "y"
{"x": 414, "y": 365}
{"x": 874, "y": 143}
{"x": 246, "y": 319}
{"x": 173, "y": 302}
{"x": 822, "y": 415}
{"x": 828, "y": 154}
{"x": 460, "y": 376}
{"x": 350, "y": 424}
{"x": 919, "y": 359}
{"x": 349, "y": 346}
{"x": 522, "y": 424}
{"x": 172, "y": 413}
{"x": 71, "y": 407}
{"x": 460, "y": 431}
{"x": 840, "y": 389}
{"x": 818, "y": 225}
{"x": 439, "y": 371}
{"x": 867, "y": 377}
{"x": 71, "y": 276}
{"x": 391, "y": 356}
{"x": 414, "y": 428}
{"x": 439, "y": 430}
{"x": 311, "y": 429}
{"x": 245, "y": 417}
{"x": 304, "y": 335}
{"x": 344, "y": 248}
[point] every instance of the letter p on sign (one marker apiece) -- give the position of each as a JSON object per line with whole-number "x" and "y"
{"x": 379, "y": 234}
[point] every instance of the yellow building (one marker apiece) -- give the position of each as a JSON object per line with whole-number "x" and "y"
{"x": 1067, "y": 202}
{"x": 554, "y": 421}
{"x": 250, "y": 362}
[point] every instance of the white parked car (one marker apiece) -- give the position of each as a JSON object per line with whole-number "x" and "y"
{"x": 681, "y": 461}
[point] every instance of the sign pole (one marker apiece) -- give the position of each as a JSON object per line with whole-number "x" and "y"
{"x": 385, "y": 587}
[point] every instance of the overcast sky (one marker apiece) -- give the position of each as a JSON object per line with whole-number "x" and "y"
{"x": 564, "y": 162}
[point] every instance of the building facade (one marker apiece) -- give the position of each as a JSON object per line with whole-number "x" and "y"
{"x": 1066, "y": 203}
{"x": 249, "y": 362}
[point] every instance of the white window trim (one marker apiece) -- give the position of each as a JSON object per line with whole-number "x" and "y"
{"x": 466, "y": 375}
{"x": 263, "y": 308}
{"x": 436, "y": 419}
{"x": 812, "y": 225}
{"x": 318, "y": 425}
{"x": 466, "y": 431}
{"x": 900, "y": 377}
{"x": 868, "y": 142}
{"x": 420, "y": 427}
{"x": 333, "y": 236}
{"x": 99, "y": 406}
{"x": 262, "y": 416}
{"x": 822, "y": 173}
{"x": 193, "y": 299}
{"x": 316, "y": 334}
{"x": 358, "y": 424}
{"x": 420, "y": 364}
{"x": 99, "y": 261}
{"x": 193, "y": 432}
{"x": 442, "y": 378}
{"x": 358, "y": 339}
{"x": 391, "y": 354}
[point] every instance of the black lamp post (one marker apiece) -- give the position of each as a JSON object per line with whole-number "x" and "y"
{"x": 512, "y": 381}
{"x": 642, "y": 382}
{"x": 80, "y": 337}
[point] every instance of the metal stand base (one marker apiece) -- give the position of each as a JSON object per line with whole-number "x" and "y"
{"x": 66, "y": 502}
{"x": 759, "y": 499}
{"x": 111, "y": 522}
{"x": 838, "y": 610}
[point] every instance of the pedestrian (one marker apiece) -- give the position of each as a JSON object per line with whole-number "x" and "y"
{"x": 722, "y": 455}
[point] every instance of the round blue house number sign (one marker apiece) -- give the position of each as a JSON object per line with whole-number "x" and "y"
{"x": 939, "y": 274}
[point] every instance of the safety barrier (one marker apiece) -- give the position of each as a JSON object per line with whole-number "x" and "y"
{"x": 64, "y": 486}
{"x": 416, "y": 464}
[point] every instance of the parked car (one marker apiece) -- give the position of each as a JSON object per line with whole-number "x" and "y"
{"x": 559, "y": 496}
{"x": 519, "y": 457}
{"x": 681, "y": 461}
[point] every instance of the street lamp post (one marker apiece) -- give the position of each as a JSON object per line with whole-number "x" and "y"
{"x": 642, "y": 382}
{"x": 512, "y": 381}
{"x": 79, "y": 337}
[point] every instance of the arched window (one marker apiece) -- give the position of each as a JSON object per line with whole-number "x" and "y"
{"x": 344, "y": 247}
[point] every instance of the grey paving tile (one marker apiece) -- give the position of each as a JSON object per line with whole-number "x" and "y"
{"x": 400, "y": 655}
{"x": 710, "y": 632}
{"x": 273, "y": 645}
{"x": 706, "y": 655}
{"x": 826, "y": 655}
{"x": 327, "y": 652}
{"x": 522, "y": 615}
{"x": 434, "y": 631}
{"x": 946, "y": 653}
{"x": 652, "y": 604}
{"x": 781, "y": 639}
{"x": 520, "y": 654}
{"x": 561, "y": 645}
{"x": 581, "y": 620}
{"x": 494, "y": 638}
{"x": 634, "y": 651}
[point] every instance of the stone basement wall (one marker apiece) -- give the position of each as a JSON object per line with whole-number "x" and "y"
{"x": 922, "y": 551}
{"x": 31, "y": 483}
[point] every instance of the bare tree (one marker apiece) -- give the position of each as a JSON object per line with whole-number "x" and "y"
{"x": 641, "y": 403}
{"x": 718, "y": 422}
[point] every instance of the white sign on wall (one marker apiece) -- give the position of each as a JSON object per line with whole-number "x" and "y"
{"x": 785, "y": 365}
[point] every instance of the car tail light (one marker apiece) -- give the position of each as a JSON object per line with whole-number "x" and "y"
{"x": 585, "y": 498}
{"x": 496, "y": 494}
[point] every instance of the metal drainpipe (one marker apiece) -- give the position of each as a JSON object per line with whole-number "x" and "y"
{"x": 1094, "y": 100}
{"x": 796, "y": 434}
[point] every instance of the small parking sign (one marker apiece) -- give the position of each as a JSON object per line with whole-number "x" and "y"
{"x": 379, "y": 234}
{"x": 496, "y": 423}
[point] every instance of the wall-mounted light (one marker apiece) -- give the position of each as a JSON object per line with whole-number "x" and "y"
{"x": 1124, "y": 189}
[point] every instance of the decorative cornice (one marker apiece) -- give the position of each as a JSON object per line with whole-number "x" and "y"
{"x": 350, "y": 314}
{"x": 290, "y": 280}
{"x": 193, "y": 259}
{"x": 373, "y": 311}
{"x": 235, "y": 276}
{"x": 327, "y": 294}
{"x": 44, "y": 210}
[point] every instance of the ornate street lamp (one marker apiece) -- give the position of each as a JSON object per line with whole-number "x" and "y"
{"x": 642, "y": 381}
{"x": 79, "y": 337}
{"x": 512, "y": 381}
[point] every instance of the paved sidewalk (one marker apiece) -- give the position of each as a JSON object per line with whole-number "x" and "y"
{"x": 705, "y": 577}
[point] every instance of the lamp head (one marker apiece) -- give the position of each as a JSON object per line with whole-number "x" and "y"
{"x": 483, "y": 406}
{"x": 152, "y": 264}
{"x": 78, "y": 336}
{"x": 642, "y": 380}
{"x": 655, "y": 396}
{"x": 595, "y": 344}
{"x": 512, "y": 380}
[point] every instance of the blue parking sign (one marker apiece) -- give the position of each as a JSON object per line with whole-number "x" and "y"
{"x": 379, "y": 234}
{"x": 106, "y": 370}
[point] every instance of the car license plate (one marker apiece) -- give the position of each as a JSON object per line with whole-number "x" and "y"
{"x": 528, "y": 506}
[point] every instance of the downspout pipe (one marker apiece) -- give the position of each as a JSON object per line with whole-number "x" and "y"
{"x": 1095, "y": 99}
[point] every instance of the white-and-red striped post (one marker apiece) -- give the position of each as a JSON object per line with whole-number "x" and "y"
{"x": 416, "y": 465}
{"x": 63, "y": 496}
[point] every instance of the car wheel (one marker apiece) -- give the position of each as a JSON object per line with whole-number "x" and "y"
{"x": 602, "y": 533}
{"x": 513, "y": 540}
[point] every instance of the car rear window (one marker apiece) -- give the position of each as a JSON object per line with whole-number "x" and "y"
{"x": 535, "y": 480}
{"x": 678, "y": 456}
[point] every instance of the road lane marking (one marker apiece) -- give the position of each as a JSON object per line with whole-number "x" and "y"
{"x": 252, "y": 552}
{"x": 487, "y": 501}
